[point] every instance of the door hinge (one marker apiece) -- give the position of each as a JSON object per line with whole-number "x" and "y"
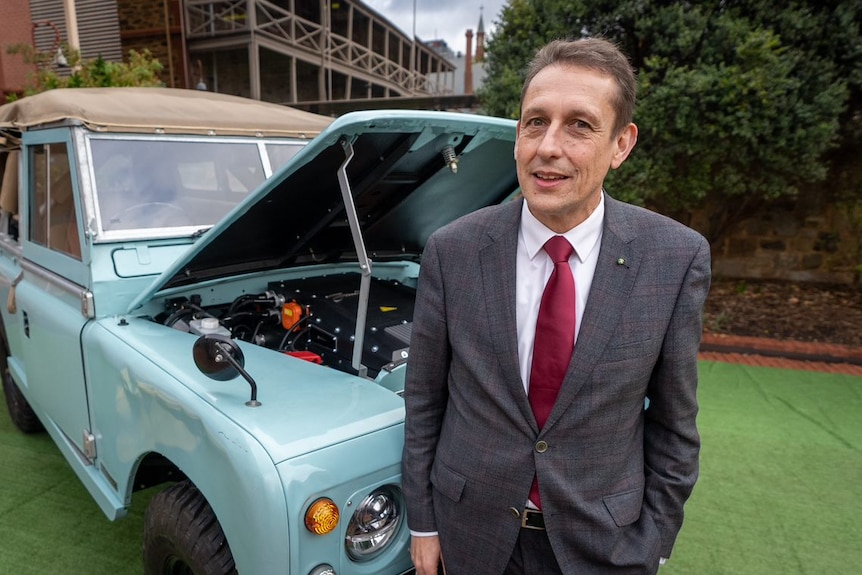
{"x": 88, "y": 308}
{"x": 89, "y": 445}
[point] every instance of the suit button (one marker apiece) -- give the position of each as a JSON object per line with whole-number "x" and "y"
{"x": 514, "y": 512}
{"x": 541, "y": 446}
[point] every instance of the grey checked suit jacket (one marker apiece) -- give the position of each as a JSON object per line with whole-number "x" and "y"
{"x": 615, "y": 476}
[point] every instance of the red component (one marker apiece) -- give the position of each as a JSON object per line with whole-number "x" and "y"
{"x": 306, "y": 355}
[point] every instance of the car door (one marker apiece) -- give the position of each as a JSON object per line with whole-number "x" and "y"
{"x": 52, "y": 298}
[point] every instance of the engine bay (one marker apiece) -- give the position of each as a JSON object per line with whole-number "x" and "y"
{"x": 311, "y": 318}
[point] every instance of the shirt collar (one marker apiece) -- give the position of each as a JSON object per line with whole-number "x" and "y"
{"x": 584, "y": 237}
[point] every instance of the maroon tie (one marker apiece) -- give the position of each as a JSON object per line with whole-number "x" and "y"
{"x": 555, "y": 336}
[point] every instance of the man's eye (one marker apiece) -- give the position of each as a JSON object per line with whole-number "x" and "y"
{"x": 535, "y": 122}
{"x": 581, "y": 125}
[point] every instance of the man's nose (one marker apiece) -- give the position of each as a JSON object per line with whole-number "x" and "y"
{"x": 552, "y": 141}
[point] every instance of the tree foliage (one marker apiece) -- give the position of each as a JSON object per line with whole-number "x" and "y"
{"x": 741, "y": 102}
{"x": 141, "y": 69}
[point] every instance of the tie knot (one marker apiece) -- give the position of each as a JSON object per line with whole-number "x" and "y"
{"x": 559, "y": 249}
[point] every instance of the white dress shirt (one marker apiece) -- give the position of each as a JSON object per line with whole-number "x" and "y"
{"x": 535, "y": 267}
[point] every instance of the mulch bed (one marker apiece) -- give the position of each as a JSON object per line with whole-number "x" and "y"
{"x": 785, "y": 311}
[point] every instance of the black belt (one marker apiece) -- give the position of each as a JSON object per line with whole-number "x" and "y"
{"x": 533, "y": 519}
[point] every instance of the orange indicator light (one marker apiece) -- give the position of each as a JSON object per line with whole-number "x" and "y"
{"x": 322, "y": 517}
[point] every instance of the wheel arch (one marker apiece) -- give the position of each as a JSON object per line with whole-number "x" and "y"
{"x": 151, "y": 428}
{"x": 154, "y": 469}
{"x": 247, "y": 501}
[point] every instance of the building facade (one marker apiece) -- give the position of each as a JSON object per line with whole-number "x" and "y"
{"x": 286, "y": 51}
{"x": 15, "y": 28}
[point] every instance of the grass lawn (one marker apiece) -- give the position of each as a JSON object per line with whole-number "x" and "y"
{"x": 780, "y": 491}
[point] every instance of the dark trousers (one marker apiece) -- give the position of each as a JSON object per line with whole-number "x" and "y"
{"x": 533, "y": 555}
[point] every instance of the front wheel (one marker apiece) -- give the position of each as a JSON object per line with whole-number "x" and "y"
{"x": 182, "y": 535}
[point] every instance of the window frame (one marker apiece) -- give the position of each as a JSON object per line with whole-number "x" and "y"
{"x": 101, "y": 235}
{"x": 61, "y": 263}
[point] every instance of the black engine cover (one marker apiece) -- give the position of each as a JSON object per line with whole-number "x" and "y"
{"x": 333, "y": 302}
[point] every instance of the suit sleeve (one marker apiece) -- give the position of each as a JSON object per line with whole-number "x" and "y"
{"x": 425, "y": 391}
{"x": 671, "y": 440}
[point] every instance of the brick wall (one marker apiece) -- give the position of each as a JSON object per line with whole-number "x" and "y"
{"x": 225, "y": 71}
{"x": 143, "y": 25}
{"x": 15, "y": 28}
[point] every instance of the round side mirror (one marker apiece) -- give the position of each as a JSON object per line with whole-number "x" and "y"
{"x": 211, "y": 353}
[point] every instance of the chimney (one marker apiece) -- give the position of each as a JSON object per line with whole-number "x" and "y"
{"x": 480, "y": 39}
{"x": 468, "y": 63}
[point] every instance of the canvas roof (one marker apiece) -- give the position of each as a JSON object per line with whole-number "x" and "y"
{"x": 168, "y": 110}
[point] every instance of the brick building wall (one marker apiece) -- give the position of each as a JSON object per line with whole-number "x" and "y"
{"x": 144, "y": 24}
{"x": 15, "y": 28}
{"x": 233, "y": 71}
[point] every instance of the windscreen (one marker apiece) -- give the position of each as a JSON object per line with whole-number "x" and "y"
{"x": 149, "y": 184}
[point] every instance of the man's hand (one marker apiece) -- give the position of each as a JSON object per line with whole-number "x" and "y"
{"x": 425, "y": 552}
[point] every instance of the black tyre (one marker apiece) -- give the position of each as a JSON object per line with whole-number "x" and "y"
{"x": 20, "y": 412}
{"x": 182, "y": 535}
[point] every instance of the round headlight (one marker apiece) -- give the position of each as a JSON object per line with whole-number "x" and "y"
{"x": 374, "y": 524}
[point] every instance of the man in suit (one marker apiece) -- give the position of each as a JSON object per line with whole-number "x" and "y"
{"x": 615, "y": 452}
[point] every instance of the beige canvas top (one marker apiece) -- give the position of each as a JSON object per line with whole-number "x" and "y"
{"x": 157, "y": 110}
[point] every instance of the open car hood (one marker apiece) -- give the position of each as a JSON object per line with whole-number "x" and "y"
{"x": 397, "y": 166}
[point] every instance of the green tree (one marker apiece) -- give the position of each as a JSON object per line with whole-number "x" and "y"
{"x": 741, "y": 103}
{"x": 141, "y": 69}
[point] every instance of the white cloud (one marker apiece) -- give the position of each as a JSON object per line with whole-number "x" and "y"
{"x": 440, "y": 19}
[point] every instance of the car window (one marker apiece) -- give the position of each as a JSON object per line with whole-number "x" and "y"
{"x": 279, "y": 154}
{"x": 9, "y": 193}
{"x": 146, "y": 184}
{"x": 52, "y": 215}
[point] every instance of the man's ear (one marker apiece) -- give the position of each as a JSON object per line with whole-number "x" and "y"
{"x": 624, "y": 143}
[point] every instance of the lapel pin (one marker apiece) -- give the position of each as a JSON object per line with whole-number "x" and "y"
{"x": 621, "y": 261}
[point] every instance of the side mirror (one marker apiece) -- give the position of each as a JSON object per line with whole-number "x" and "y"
{"x": 220, "y": 358}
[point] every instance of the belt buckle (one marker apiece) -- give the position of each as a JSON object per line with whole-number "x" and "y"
{"x": 533, "y": 519}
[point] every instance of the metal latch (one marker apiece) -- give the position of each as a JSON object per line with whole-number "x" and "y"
{"x": 89, "y": 445}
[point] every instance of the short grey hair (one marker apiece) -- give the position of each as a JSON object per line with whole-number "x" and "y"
{"x": 596, "y": 54}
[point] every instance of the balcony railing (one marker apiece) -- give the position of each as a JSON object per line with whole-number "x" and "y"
{"x": 207, "y": 19}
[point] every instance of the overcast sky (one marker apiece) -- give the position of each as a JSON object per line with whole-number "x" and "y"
{"x": 446, "y": 19}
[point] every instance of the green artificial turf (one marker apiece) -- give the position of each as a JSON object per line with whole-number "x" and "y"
{"x": 49, "y": 523}
{"x": 780, "y": 491}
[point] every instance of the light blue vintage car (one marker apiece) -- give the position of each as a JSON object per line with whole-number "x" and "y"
{"x": 175, "y": 313}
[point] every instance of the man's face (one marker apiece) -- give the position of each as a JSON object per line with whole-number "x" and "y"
{"x": 565, "y": 143}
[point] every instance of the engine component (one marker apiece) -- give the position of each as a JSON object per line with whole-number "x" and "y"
{"x": 291, "y": 314}
{"x": 333, "y": 302}
{"x": 312, "y": 318}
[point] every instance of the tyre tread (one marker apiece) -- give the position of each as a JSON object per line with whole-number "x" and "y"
{"x": 180, "y": 522}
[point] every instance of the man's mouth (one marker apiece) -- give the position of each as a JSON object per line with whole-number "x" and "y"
{"x": 549, "y": 177}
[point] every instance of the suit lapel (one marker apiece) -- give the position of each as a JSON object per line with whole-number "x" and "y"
{"x": 614, "y": 278}
{"x": 497, "y": 254}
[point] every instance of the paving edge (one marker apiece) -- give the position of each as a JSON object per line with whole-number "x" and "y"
{"x": 800, "y": 350}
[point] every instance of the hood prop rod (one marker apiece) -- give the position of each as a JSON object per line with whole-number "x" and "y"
{"x": 362, "y": 256}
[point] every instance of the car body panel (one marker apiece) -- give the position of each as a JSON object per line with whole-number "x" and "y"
{"x": 304, "y": 406}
